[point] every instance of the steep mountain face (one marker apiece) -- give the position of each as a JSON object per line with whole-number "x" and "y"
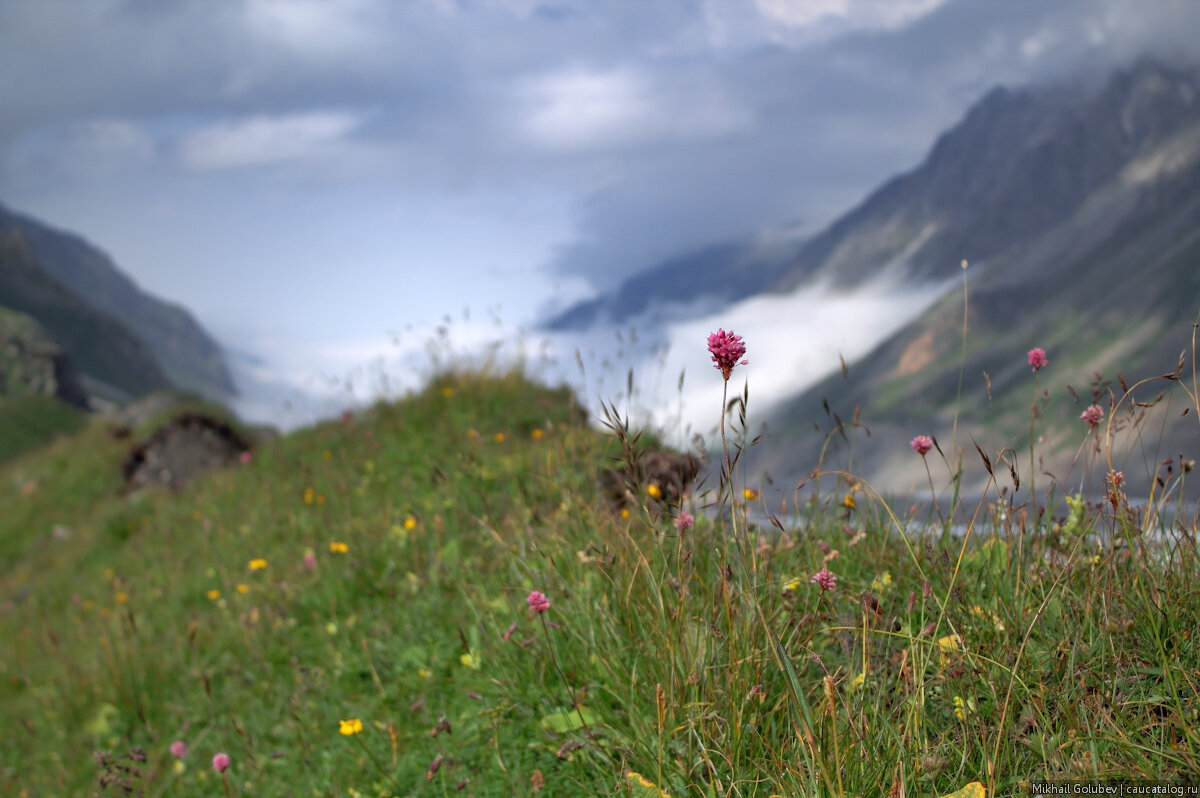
{"x": 182, "y": 353}
{"x": 1020, "y": 163}
{"x": 1080, "y": 215}
{"x": 112, "y": 362}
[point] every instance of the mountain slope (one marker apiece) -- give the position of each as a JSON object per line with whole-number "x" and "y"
{"x": 718, "y": 274}
{"x": 1087, "y": 222}
{"x": 1020, "y": 163}
{"x": 118, "y": 364}
{"x": 184, "y": 352}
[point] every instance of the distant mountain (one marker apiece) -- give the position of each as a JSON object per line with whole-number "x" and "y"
{"x": 717, "y": 275}
{"x": 114, "y": 331}
{"x": 1080, "y": 215}
{"x": 113, "y": 363}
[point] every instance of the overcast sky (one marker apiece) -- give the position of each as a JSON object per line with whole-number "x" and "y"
{"x": 316, "y": 179}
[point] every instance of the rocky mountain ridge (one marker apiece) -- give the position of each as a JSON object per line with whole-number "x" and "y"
{"x": 124, "y": 342}
{"x": 1080, "y": 215}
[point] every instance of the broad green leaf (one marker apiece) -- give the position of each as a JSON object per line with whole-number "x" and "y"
{"x": 101, "y": 724}
{"x": 568, "y": 720}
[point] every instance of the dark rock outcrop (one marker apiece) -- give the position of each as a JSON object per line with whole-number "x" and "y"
{"x": 670, "y": 472}
{"x": 181, "y": 449}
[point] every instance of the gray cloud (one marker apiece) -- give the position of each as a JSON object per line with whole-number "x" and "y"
{"x": 665, "y": 125}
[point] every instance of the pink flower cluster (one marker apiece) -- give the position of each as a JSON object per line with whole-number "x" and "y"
{"x": 824, "y": 579}
{"x": 726, "y": 350}
{"x": 1092, "y": 415}
{"x": 685, "y": 521}
{"x": 1037, "y": 358}
{"x": 179, "y": 749}
{"x": 221, "y": 762}
{"x": 922, "y": 444}
{"x": 538, "y": 602}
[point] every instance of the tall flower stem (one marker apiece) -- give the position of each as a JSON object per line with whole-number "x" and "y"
{"x": 378, "y": 765}
{"x": 563, "y": 676}
{"x": 1033, "y": 411}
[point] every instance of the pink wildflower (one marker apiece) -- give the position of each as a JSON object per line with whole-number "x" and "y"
{"x": 537, "y": 601}
{"x": 221, "y": 762}
{"x": 685, "y": 521}
{"x": 726, "y": 350}
{"x": 179, "y": 749}
{"x": 1092, "y": 415}
{"x": 922, "y": 444}
{"x": 310, "y": 561}
{"x": 825, "y": 579}
{"x": 246, "y": 458}
{"x": 1037, "y": 358}
{"x": 1115, "y": 478}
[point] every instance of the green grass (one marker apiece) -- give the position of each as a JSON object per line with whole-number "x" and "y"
{"x": 30, "y": 422}
{"x": 706, "y": 663}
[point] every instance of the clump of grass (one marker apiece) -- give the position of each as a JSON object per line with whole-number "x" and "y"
{"x": 434, "y": 596}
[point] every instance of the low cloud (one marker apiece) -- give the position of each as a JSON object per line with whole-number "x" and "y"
{"x": 266, "y": 139}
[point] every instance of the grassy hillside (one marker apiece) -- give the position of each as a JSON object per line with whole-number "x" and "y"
{"x": 353, "y": 613}
{"x": 30, "y": 422}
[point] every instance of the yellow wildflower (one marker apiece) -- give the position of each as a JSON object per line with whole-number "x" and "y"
{"x": 121, "y": 598}
{"x": 750, "y": 494}
{"x": 447, "y": 392}
{"x": 946, "y": 645}
{"x": 960, "y": 708}
{"x": 654, "y": 490}
{"x": 213, "y": 595}
{"x": 422, "y": 673}
{"x": 858, "y": 680}
{"x": 326, "y": 454}
{"x": 849, "y": 502}
{"x": 243, "y": 589}
{"x": 349, "y": 727}
{"x": 881, "y": 581}
{"x": 537, "y": 434}
{"x": 309, "y": 495}
{"x": 258, "y": 564}
{"x": 470, "y": 660}
{"x": 338, "y": 547}
{"x": 624, "y": 512}
{"x": 410, "y": 523}
{"x": 499, "y": 437}
{"x": 792, "y": 585}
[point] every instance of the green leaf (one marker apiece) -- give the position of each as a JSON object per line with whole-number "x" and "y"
{"x": 101, "y": 724}
{"x": 569, "y": 720}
